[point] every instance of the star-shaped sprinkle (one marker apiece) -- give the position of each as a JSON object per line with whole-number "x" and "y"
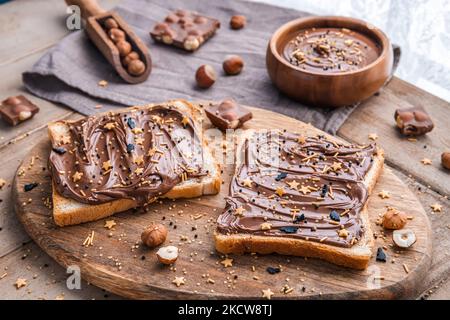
{"x": 20, "y": 282}
{"x": 266, "y": 226}
{"x": 436, "y": 207}
{"x": 336, "y": 166}
{"x": 178, "y": 281}
{"x": 383, "y": 194}
{"x": 300, "y": 140}
{"x": 343, "y": 233}
{"x": 110, "y": 126}
{"x": 280, "y": 191}
{"x": 151, "y": 152}
{"x": 185, "y": 121}
{"x": 293, "y": 184}
{"x": 227, "y": 262}
{"x": 426, "y": 161}
{"x": 239, "y": 211}
{"x": 139, "y": 140}
{"x": 65, "y": 139}
{"x": 109, "y": 224}
{"x": 107, "y": 165}
{"x": 139, "y": 171}
{"x": 247, "y": 183}
{"x": 373, "y": 136}
{"x": 77, "y": 176}
{"x": 137, "y": 130}
{"x": 267, "y": 294}
{"x": 304, "y": 189}
{"x": 139, "y": 160}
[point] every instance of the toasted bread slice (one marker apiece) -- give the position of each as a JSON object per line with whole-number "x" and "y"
{"x": 356, "y": 257}
{"x": 70, "y": 212}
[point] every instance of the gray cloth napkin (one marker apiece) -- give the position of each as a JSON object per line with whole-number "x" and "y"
{"x": 69, "y": 72}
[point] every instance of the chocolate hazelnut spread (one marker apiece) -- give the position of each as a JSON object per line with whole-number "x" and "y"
{"x": 138, "y": 154}
{"x": 299, "y": 187}
{"x": 331, "y": 50}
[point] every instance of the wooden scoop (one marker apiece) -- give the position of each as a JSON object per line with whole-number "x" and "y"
{"x": 95, "y": 18}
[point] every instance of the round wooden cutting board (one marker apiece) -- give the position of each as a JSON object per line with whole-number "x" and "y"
{"x": 119, "y": 263}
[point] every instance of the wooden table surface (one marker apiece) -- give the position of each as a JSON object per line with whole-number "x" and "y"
{"x": 29, "y": 27}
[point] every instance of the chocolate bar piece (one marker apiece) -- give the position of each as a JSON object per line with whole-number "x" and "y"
{"x": 228, "y": 114}
{"x": 15, "y": 110}
{"x": 185, "y": 29}
{"x": 413, "y": 121}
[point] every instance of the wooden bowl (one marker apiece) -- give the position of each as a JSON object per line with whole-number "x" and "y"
{"x": 333, "y": 89}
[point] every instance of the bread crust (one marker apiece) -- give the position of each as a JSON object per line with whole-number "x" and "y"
{"x": 356, "y": 257}
{"x": 70, "y": 212}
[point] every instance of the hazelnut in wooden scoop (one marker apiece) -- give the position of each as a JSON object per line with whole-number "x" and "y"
{"x": 133, "y": 55}
{"x": 233, "y": 65}
{"x": 154, "y": 235}
{"x": 116, "y": 34}
{"x": 136, "y": 67}
{"x": 445, "y": 159}
{"x": 111, "y": 23}
{"x": 394, "y": 219}
{"x": 124, "y": 47}
{"x": 238, "y": 22}
{"x": 205, "y": 76}
{"x": 167, "y": 255}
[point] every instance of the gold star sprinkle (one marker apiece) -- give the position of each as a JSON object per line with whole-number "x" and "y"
{"x": 185, "y": 121}
{"x": 65, "y": 139}
{"x": 304, "y": 190}
{"x": 343, "y": 233}
{"x": 227, "y": 262}
{"x": 384, "y": 194}
{"x": 300, "y": 140}
{"x": 109, "y": 224}
{"x": 280, "y": 191}
{"x": 266, "y": 226}
{"x": 436, "y": 207}
{"x": 77, "y": 176}
{"x": 239, "y": 211}
{"x": 137, "y": 130}
{"x": 293, "y": 184}
{"x": 178, "y": 281}
{"x": 373, "y": 136}
{"x": 336, "y": 166}
{"x": 139, "y": 170}
{"x": 139, "y": 140}
{"x": 110, "y": 125}
{"x": 247, "y": 183}
{"x": 426, "y": 161}
{"x": 107, "y": 165}
{"x": 267, "y": 294}
{"x": 139, "y": 160}
{"x": 103, "y": 83}
{"x": 20, "y": 282}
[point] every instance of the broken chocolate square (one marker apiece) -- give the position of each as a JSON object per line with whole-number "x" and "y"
{"x": 413, "y": 121}
{"x": 15, "y": 110}
{"x": 185, "y": 29}
{"x": 228, "y": 114}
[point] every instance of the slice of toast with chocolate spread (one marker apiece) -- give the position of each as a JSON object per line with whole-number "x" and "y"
{"x": 301, "y": 195}
{"x": 113, "y": 162}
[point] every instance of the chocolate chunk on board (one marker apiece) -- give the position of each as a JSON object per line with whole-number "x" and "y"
{"x": 15, "y": 110}
{"x": 413, "y": 121}
{"x": 228, "y": 114}
{"x": 185, "y": 29}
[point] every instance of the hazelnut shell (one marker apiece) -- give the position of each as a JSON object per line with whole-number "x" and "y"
{"x": 404, "y": 238}
{"x": 445, "y": 159}
{"x": 136, "y": 67}
{"x": 233, "y": 65}
{"x": 237, "y": 22}
{"x": 205, "y": 76}
{"x": 167, "y": 255}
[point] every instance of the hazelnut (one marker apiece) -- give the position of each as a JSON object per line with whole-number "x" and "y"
{"x": 233, "y": 65}
{"x": 124, "y": 47}
{"x": 191, "y": 43}
{"x": 24, "y": 115}
{"x": 154, "y": 235}
{"x": 205, "y": 76}
{"x": 116, "y": 34}
{"x": 404, "y": 238}
{"x": 13, "y": 101}
{"x": 133, "y": 55}
{"x": 172, "y": 18}
{"x": 167, "y": 255}
{"x": 237, "y": 22}
{"x": 111, "y": 23}
{"x": 421, "y": 116}
{"x": 226, "y": 105}
{"x": 136, "y": 67}
{"x": 394, "y": 219}
{"x": 445, "y": 158}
